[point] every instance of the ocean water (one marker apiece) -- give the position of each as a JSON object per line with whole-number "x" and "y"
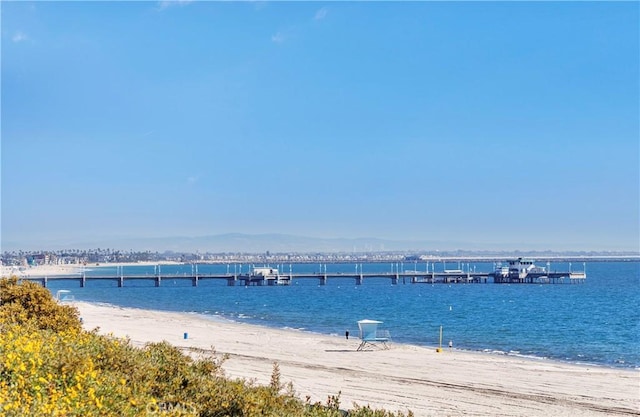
{"x": 597, "y": 322}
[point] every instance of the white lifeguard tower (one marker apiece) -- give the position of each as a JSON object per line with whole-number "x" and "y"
{"x": 64, "y": 296}
{"x": 371, "y": 336}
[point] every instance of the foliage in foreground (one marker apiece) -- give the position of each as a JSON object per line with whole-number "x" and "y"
{"x": 50, "y": 366}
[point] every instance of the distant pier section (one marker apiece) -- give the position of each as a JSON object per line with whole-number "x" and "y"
{"x": 516, "y": 271}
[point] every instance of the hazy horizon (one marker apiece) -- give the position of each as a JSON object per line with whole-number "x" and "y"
{"x": 487, "y": 124}
{"x": 282, "y": 243}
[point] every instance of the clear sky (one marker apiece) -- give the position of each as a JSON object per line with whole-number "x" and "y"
{"x": 501, "y": 124}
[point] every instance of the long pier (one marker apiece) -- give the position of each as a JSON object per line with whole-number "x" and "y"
{"x": 411, "y": 277}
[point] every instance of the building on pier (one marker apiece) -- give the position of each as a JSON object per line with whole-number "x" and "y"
{"x": 523, "y": 270}
{"x": 265, "y": 276}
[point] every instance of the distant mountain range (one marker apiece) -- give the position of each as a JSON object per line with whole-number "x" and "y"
{"x": 282, "y": 243}
{"x": 273, "y": 242}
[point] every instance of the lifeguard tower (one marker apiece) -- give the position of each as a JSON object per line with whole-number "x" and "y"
{"x": 370, "y": 336}
{"x": 64, "y": 296}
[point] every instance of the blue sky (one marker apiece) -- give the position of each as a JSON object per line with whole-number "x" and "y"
{"x": 505, "y": 125}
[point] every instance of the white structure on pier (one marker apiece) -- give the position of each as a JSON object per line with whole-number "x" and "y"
{"x": 267, "y": 275}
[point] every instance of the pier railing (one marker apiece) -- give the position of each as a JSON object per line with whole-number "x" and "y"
{"x": 407, "y": 277}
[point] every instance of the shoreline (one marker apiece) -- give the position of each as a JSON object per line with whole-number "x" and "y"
{"x": 481, "y": 351}
{"x": 404, "y": 377}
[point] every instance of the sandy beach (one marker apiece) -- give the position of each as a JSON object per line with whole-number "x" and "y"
{"x": 405, "y": 377}
{"x": 70, "y": 269}
{"x": 41, "y": 270}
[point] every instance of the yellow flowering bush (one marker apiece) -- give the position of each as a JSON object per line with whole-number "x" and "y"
{"x": 46, "y": 373}
{"x": 28, "y": 301}
{"x": 49, "y": 366}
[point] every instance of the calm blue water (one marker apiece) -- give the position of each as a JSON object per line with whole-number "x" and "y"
{"x": 596, "y": 322}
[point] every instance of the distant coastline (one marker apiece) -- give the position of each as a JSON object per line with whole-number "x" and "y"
{"x": 64, "y": 259}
